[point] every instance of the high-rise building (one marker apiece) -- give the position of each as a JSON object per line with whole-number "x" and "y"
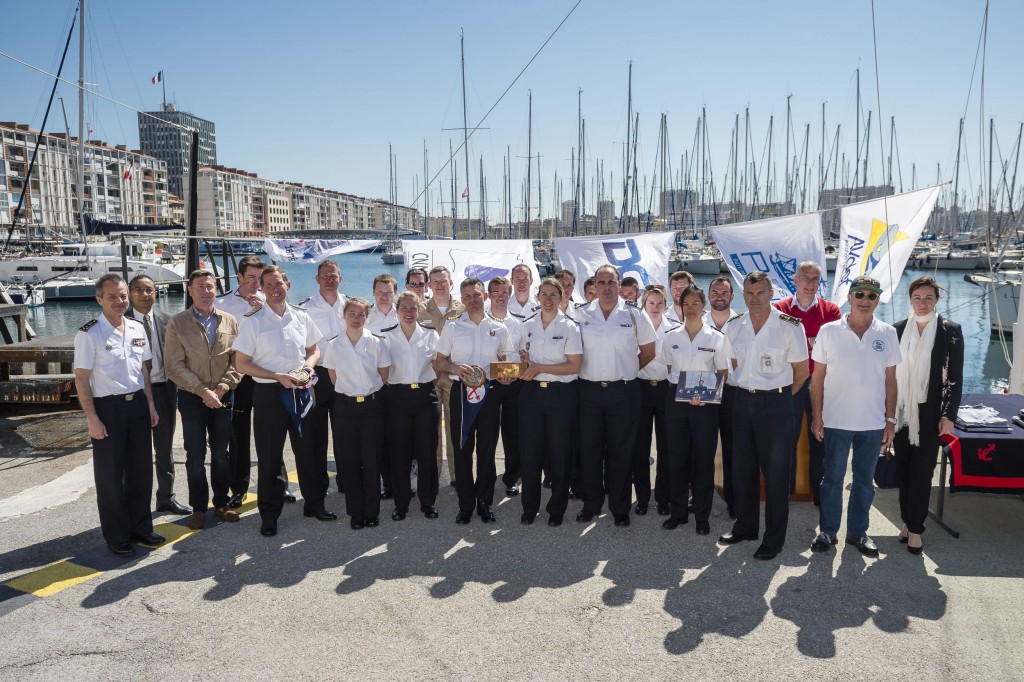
{"x": 165, "y": 135}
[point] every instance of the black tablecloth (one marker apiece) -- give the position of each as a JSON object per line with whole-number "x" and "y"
{"x": 988, "y": 462}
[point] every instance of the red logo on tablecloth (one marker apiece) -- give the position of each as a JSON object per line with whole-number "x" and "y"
{"x": 983, "y": 453}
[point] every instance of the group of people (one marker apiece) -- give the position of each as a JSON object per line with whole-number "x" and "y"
{"x": 394, "y": 385}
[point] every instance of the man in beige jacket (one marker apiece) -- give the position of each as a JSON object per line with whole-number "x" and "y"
{"x": 199, "y": 359}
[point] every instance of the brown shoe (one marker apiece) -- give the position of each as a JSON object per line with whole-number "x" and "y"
{"x": 195, "y": 522}
{"x": 229, "y": 515}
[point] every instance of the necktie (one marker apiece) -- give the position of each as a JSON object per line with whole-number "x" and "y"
{"x": 149, "y": 329}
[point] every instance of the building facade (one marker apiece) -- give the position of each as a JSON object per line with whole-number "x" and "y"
{"x": 165, "y": 135}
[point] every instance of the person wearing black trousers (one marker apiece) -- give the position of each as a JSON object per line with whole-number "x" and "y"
{"x": 499, "y": 291}
{"x": 553, "y": 351}
{"x": 411, "y": 411}
{"x": 929, "y": 384}
{"x": 358, "y": 363}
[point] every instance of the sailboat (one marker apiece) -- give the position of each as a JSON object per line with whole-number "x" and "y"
{"x": 391, "y": 246}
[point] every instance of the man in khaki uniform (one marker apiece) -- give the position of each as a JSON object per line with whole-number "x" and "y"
{"x": 434, "y": 313}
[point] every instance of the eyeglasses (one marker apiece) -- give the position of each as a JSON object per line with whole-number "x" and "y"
{"x": 861, "y": 294}
{"x": 416, "y": 285}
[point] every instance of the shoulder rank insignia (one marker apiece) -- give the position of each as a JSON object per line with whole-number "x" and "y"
{"x": 531, "y": 317}
{"x": 88, "y": 325}
{"x": 379, "y": 336}
{"x": 252, "y": 312}
{"x": 297, "y": 307}
{"x": 736, "y": 316}
{"x": 452, "y": 314}
{"x": 422, "y": 324}
{"x": 387, "y": 329}
{"x": 789, "y": 318}
{"x": 302, "y": 303}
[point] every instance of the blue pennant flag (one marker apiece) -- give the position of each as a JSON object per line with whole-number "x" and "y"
{"x": 472, "y": 400}
{"x": 297, "y": 401}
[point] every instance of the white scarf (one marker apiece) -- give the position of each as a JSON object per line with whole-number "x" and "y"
{"x": 912, "y": 373}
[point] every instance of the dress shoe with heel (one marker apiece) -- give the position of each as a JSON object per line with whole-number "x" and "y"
{"x": 174, "y": 507}
{"x": 621, "y": 520}
{"x": 150, "y": 538}
{"x": 555, "y": 520}
{"x": 320, "y": 514}
{"x": 268, "y": 530}
{"x": 914, "y": 544}
{"x": 765, "y": 553}
{"x": 356, "y": 523}
{"x": 123, "y": 550}
{"x": 485, "y": 514}
{"x": 398, "y": 515}
{"x": 703, "y": 528}
{"x": 585, "y": 517}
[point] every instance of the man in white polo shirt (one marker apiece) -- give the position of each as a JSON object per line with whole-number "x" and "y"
{"x": 853, "y": 394}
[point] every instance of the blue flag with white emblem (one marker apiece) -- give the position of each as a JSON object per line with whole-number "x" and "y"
{"x": 472, "y": 401}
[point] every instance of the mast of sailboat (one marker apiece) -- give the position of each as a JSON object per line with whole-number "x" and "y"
{"x": 508, "y": 187}
{"x": 426, "y": 193}
{"x": 465, "y": 124}
{"x": 80, "y": 184}
{"x": 529, "y": 156}
{"x": 540, "y": 199}
{"x": 624, "y": 218}
{"x": 483, "y": 214}
{"x": 856, "y": 165}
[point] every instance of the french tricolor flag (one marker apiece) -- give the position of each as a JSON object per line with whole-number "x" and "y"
{"x": 157, "y": 78}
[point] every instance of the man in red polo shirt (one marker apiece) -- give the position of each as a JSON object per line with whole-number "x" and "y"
{"x": 813, "y": 311}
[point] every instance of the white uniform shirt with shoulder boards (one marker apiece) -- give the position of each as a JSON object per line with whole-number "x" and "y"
{"x": 522, "y": 311}
{"x": 763, "y": 360}
{"x": 356, "y": 365}
{"x": 114, "y": 358}
{"x": 656, "y": 370}
{"x": 711, "y": 322}
{"x": 466, "y": 343}
{"x": 235, "y": 304}
{"x": 277, "y": 343}
{"x": 854, "y": 397}
{"x": 515, "y": 330}
{"x": 377, "y": 321}
{"x": 551, "y": 346}
{"x": 705, "y": 353}
{"x": 411, "y": 358}
{"x": 610, "y": 346}
{"x": 327, "y": 317}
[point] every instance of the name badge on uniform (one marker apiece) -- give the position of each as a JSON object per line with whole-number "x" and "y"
{"x": 767, "y": 366}
{"x": 626, "y": 325}
{"x": 557, "y": 338}
{"x": 139, "y": 342}
{"x": 706, "y": 350}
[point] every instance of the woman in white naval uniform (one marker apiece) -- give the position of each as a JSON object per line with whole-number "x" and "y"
{"x": 553, "y": 350}
{"x": 358, "y": 363}
{"x": 692, "y": 426}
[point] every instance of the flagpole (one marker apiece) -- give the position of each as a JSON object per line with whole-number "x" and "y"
{"x": 163, "y": 86}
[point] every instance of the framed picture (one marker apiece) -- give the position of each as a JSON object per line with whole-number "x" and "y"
{"x": 705, "y": 385}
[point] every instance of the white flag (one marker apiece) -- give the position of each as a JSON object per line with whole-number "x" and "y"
{"x": 314, "y": 250}
{"x": 775, "y": 246}
{"x": 464, "y": 258}
{"x": 877, "y": 237}
{"x": 642, "y": 255}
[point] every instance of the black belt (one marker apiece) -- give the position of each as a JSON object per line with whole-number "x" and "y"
{"x": 356, "y": 398}
{"x": 119, "y": 398}
{"x": 618, "y": 383}
{"x": 755, "y": 391}
{"x": 156, "y": 384}
{"x": 412, "y": 387}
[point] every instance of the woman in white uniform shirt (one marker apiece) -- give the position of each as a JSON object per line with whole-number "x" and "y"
{"x": 357, "y": 422}
{"x": 653, "y": 389}
{"x": 548, "y": 402}
{"x": 692, "y": 426}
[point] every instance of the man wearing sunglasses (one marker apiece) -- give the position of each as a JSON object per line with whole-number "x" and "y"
{"x": 853, "y": 392}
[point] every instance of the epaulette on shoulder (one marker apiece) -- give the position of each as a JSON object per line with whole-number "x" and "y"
{"x": 453, "y": 315}
{"x": 531, "y": 317}
{"x": 89, "y": 325}
{"x": 253, "y": 312}
{"x": 736, "y": 316}
{"x": 298, "y": 306}
{"x": 387, "y": 329}
{"x": 302, "y": 303}
{"x": 789, "y": 318}
{"x": 580, "y": 305}
{"x": 518, "y": 317}
{"x": 379, "y": 336}
{"x": 427, "y": 327}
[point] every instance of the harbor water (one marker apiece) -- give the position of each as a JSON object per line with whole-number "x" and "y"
{"x": 986, "y": 365}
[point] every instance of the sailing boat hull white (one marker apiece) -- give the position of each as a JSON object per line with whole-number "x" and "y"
{"x": 44, "y": 268}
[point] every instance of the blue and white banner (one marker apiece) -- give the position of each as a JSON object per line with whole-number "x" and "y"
{"x": 480, "y": 258}
{"x": 775, "y": 246}
{"x": 877, "y": 237}
{"x": 643, "y": 256}
{"x": 314, "y": 250}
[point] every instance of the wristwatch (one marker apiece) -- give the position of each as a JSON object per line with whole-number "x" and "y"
{"x": 891, "y": 420}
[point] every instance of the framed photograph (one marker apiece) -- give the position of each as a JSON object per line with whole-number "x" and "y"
{"x": 707, "y": 385}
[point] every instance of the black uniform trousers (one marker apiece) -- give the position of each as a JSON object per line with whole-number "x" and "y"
{"x": 199, "y": 423}
{"x": 816, "y": 448}
{"x": 608, "y": 418}
{"x": 411, "y": 414}
{"x": 547, "y": 423}
{"x": 318, "y": 419}
{"x": 652, "y": 409}
{"x": 507, "y": 397}
{"x": 763, "y": 441}
{"x": 358, "y": 425}
{"x": 725, "y": 432}
{"x": 692, "y": 443}
{"x": 122, "y": 464}
{"x": 483, "y": 437}
{"x": 271, "y": 423}
{"x": 915, "y": 466}
{"x": 239, "y": 450}
{"x": 165, "y": 400}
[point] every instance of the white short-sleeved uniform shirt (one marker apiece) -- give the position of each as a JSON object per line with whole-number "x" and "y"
{"x": 411, "y": 358}
{"x": 610, "y": 346}
{"x": 764, "y": 360}
{"x": 854, "y": 397}
{"x": 656, "y": 370}
{"x": 551, "y": 346}
{"x": 277, "y": 343}
{"x": 705, "y": 353}
{"x": 467, "y": 343}
{"x": 377, "y": 321}
{"x": 356, "y": 365}
{"x": 525, "y": 310}
{"x": 711, "y": 321}
{"x": 235, "y": 304}
{"x": 327, "y": 317}
{"x": 114, "y": 358}
{"x": 515, "y": 330}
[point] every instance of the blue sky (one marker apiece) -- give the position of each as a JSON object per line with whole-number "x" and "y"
{"x": 314, "y": 91}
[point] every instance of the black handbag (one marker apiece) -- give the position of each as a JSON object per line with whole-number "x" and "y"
{"x": 885, "y": 472}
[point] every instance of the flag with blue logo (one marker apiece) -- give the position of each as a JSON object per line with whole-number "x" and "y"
{"x": 472, "y": 401}
{"x": 641, "y": 255}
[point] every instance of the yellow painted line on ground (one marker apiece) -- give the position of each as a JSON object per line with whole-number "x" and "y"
{"x": 50, "y": 580}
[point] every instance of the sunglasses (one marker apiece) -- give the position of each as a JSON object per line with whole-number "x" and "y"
{"x": 416, "y": 285}
{"x": 861, "y": 294}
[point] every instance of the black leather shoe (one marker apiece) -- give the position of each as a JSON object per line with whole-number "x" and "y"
{"x": 765, "y": 553}
{"x": 585, "y": 517}
{"x": 149, "y": 539}
{"x": 430, "y": 512}
{"x": 731, "y": 538}
{"x": 641, "y": 509}
{"x": 823, "y": 542}
{"x": 703, "y": 528}
{"x": 125, "y": 550}
{"x": 373, "y": 523}
{"x": 573, "y": 495}
{"x": 915, "y": 550}
{"x": 398, "y": 515}
{"x": 486, "y": 515}
{"x": 463, "y": 517}
{"x": 547, "y": 483}
{"x": 864, "y": 545}
{"x": 175, "y": 507}
{"x": 555, "y": 520}
{"x": 236, "y": 501}
{"x": 664, "y": 509}
{"x": 320, "y": 514}
{"x": 386, "y": 494}
{"x": 289, "y": 497}
{"x": 512, "y": 490}
{"x": 671, "y": 523}
{"x": 268, "y": 530}
{"x": 356, "y": 524}
{"x": 622, "y": 520}
{"x": 527, "y": 519}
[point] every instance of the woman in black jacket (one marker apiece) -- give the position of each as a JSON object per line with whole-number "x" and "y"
{"x": 930, "y": 384}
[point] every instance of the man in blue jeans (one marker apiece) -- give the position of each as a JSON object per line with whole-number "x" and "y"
{"x": 853, "y": 390}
